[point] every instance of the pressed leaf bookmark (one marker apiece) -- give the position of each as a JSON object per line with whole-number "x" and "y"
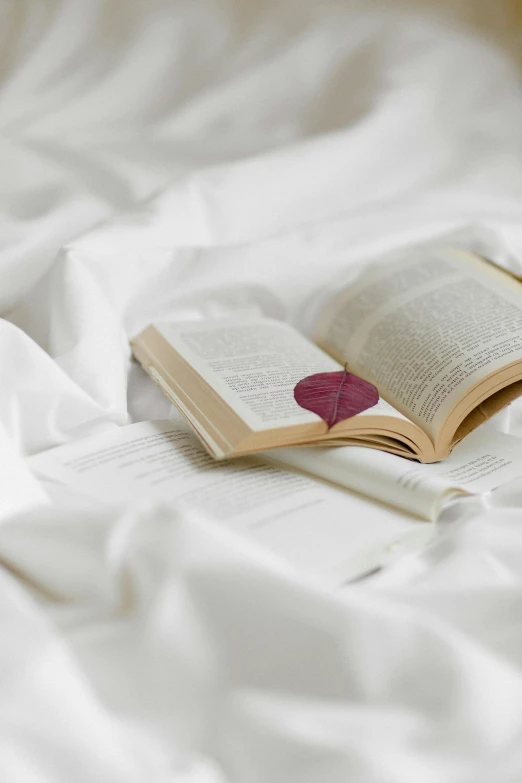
{"x": 335, "y": 396}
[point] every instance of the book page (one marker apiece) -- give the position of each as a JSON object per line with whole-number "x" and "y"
{"x": 317, "y": 528}
{"x": 425, "y": 330}
{"x": 254, "y": 366}
{"x": 485, "y": 460}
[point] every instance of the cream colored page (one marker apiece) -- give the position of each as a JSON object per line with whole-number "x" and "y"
{"x": 425, "y": 330}
{"x": 317, "y": 528}
{"x": 254, "y": 365}
{"x": 483, "y": 461}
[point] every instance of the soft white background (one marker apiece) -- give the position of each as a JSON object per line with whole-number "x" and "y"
{"x": 201, "y": 157}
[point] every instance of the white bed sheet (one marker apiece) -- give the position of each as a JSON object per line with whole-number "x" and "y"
{"x": 205, "y": 157}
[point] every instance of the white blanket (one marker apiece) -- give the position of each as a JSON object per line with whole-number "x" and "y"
{"x": 206, "y": 157}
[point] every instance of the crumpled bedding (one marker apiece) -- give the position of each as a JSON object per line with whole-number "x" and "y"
{"x": 204, "y": 157}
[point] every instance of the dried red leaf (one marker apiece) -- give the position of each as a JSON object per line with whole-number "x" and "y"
{"x": 335, "y": 396}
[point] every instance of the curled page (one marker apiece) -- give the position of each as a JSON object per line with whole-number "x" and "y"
{"x": 437, "y": 333}
{"x": 484, "y": 460}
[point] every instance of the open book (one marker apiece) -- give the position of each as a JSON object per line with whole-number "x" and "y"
{"x": 439, "y": 334}
{"x": 314, "y": 525}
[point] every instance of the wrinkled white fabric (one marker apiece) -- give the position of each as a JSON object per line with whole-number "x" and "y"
{"x": 204, "y": 157}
